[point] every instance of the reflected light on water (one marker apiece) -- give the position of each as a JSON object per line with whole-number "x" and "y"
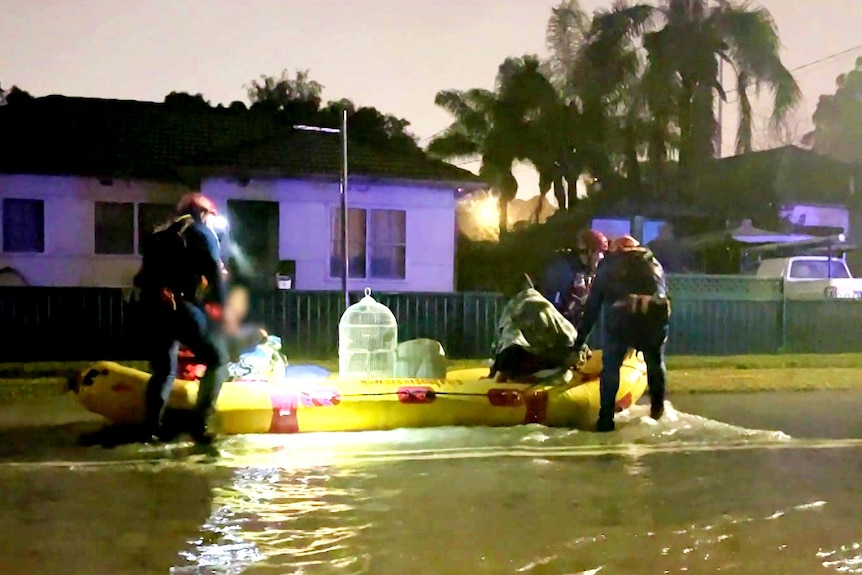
{"x": 272, "y": 515}
{"x": 427, "y": 500}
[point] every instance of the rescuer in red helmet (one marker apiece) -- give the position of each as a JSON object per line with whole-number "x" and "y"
{"x": 630, "y": 286}
{"x": 570, "y": 268}
{"x": 182, "y": 290}
{"x": 591, "y": 248}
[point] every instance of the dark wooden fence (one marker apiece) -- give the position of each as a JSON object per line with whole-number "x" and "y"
{"x": 712, "y": 315}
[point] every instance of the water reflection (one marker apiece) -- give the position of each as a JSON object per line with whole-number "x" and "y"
{"x": 281, "y": 518}
{"x": 685, "y": 495}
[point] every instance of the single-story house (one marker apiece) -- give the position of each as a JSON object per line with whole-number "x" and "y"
{"x": 790, "y": 188}
{"x": 83, "y": 180}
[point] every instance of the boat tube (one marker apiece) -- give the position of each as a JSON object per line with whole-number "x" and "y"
{"x": 251, "y": 404}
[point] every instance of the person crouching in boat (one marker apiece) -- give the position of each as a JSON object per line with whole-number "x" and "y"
{"x": 532, "y": 337}
{"x": 630, "y": 287}
{"x": 175, "y": 258}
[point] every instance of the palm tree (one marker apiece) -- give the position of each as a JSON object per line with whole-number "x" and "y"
{"x": 503, "y": 126}
{"x": 679, "y": 80}
{"x": 747, "y": 39}
{"x": 596, "y": 68}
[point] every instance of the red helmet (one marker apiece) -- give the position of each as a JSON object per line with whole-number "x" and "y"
{"x": 624, "y": 243}
{"x": 196, "y": 203}
{"x": 594, "y": 241}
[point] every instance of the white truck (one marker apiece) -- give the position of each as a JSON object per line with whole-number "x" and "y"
{"x": 812, "y": 277}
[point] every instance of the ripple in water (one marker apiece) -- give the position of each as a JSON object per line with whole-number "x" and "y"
{"x": 318, "y": 504}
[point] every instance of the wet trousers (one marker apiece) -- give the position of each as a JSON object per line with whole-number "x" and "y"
{"x": 645, "y": 332}
{"x": 189, "y": 325}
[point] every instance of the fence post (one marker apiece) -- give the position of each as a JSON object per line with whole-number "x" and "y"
{"x": 783, "y": 320}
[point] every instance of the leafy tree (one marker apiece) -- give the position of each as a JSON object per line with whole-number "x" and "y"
{"x": 838, "y": 119}
{"x": 645, "y": 79}
{"x": 187, "y": 101}
{"x": 488, "y": 126}
{"x": 15, "y": 95}
{"x": 299, "y": 95}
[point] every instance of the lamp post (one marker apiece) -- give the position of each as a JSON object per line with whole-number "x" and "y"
{"x": 343, "y": 186}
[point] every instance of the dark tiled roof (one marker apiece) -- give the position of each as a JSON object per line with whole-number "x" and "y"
{"x": 58, "y": 135}
{"x": 789, "y": 173}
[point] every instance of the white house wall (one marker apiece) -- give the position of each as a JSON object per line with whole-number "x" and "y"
{"x": 69, "y": 258}
{"x": 304, "y": 229}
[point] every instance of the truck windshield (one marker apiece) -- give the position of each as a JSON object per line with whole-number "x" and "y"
{"x": 818, "y": 270}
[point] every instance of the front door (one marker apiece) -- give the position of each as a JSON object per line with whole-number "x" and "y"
{"x": 254, "y": 233}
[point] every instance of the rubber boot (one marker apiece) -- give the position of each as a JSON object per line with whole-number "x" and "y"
{"x": 605, "y": 424}
{"x": 199, "y": 428}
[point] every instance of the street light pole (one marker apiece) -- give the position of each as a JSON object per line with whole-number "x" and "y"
{"x": 343, "y": 190}
{"x": 344, "y": 226}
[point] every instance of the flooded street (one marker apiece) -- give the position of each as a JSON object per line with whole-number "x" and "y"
{"x": 693, "y": 494}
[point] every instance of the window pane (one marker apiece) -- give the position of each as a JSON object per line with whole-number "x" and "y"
{"x": 151, "y": 216}
{"x": 356, "y": 243}
{"x": 389, "y": 262}
{"x": 115, "y": 228}
{"x": 388, "y": 227}
{"x": 388, "y": 244}
{"x": 23, "y": 225}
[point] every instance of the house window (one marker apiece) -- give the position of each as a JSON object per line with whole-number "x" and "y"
{"x": 355, "y": 240}
{"x": 115, "y": 228}
{"x": 23, "y": 225}
{"x": 151, "y": 216}
{"x": 388, "y": 244}
{"x": 377, "y": 243}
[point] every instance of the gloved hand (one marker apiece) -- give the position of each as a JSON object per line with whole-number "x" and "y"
{"x": 584, "y": 355}
{"x": 214, "y": 311}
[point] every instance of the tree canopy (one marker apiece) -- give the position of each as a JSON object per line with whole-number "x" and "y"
{"x": 624, "y": 92}
{"x": 838, "y": 118}
{"x": 301, "y": 98}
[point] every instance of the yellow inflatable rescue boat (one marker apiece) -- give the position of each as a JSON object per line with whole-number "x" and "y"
{"x": 467, "y": 397}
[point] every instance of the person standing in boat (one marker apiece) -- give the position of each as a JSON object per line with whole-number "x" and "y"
{"x": 630, "y": 287}
{"x": 182, "y": 293}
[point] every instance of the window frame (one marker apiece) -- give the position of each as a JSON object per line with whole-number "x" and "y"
{"x": 131, "y": 232}
{"x": 40, "y": 233}
{"x": 334, "y": 270}
{"x": 137, "y": 239}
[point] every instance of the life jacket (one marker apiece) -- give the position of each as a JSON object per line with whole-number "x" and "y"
{"x": 576, "y": 298}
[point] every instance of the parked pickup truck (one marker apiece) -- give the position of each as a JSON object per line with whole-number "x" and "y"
{"x": 812, "y": 277}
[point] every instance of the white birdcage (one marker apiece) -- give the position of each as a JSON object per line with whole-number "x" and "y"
{"x": 367, "y": 340}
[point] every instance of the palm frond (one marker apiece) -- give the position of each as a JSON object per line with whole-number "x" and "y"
{"x": 754, "y": 46}
{"x": 744, "y": 129}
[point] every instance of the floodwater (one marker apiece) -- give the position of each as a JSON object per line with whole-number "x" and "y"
{"x": 750, "y": 485}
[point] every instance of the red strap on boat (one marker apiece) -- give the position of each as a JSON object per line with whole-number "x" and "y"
{"x": 284, "y": 420}
{"x": 416, "y": 395}
{"x": 505, "y": 397}
{"x": 537, "y": 406}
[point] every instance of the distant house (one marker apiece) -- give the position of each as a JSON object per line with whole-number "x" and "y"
{"x": 83, "y": 181}
{"x": 790, "y": 189}
{"x": 783, "y": 189}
